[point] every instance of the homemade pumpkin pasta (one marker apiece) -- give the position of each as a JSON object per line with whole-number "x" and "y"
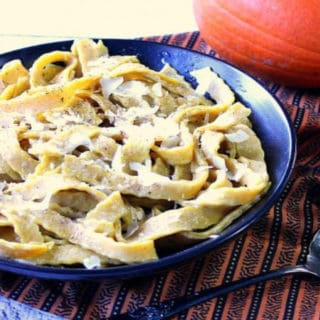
{"x": 101, "y": 157}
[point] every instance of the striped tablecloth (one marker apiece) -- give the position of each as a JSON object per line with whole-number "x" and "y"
{"x": 280, "y": 238}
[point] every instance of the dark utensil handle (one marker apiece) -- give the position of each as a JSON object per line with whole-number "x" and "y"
{"x": 187, "y": 302}
{"x": 169, "y": 308}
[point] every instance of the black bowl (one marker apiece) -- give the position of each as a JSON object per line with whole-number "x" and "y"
{"x": 270, "y": 121}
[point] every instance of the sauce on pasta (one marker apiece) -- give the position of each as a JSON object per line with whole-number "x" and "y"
{"x": 101, "y": 157}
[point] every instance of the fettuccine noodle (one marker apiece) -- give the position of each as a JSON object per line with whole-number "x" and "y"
{"x": 101, "y": 157}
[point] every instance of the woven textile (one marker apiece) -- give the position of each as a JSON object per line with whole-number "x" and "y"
{"x": 279, "y": 239}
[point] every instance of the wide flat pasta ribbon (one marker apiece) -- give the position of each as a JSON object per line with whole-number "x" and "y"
{"x": 177, "y": 220}
{"x": 54, "y": 67}
{"x": 18, "y": 250}
{"x": 103, "y": 157}
{"x": 45, "y": 97}
{"x": 14, "y": 79}
{"x": 13, "y": 155}
{"x": 77, "y": 233}
{"x": 150, "y": 185}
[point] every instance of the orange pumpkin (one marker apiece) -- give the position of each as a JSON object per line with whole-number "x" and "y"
{"x": 277, "y": 40}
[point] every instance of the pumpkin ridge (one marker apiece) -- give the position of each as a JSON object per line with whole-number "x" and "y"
{"x": 305, "y": 65}
{"x": 236, "y": 14}
{"x": 257, "y": 36}
{"x": 270, "y": 72}
{"x": 272, "y": 37}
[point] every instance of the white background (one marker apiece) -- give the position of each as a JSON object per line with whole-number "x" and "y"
{"x": 35, "y": 21}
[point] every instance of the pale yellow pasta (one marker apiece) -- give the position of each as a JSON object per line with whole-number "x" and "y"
{"x": 14, "y": 79}
{"x": 101, "y": 157}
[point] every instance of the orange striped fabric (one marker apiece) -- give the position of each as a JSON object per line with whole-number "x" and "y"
{"x": 280, "y": 238}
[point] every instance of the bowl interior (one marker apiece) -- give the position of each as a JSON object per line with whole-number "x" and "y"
{"x": 270, "y": 121}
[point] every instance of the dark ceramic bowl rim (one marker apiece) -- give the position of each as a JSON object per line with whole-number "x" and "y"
{"x": 128, "y": 46}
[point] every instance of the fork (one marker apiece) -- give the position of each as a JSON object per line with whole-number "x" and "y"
{"x": 168, "y": 308}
